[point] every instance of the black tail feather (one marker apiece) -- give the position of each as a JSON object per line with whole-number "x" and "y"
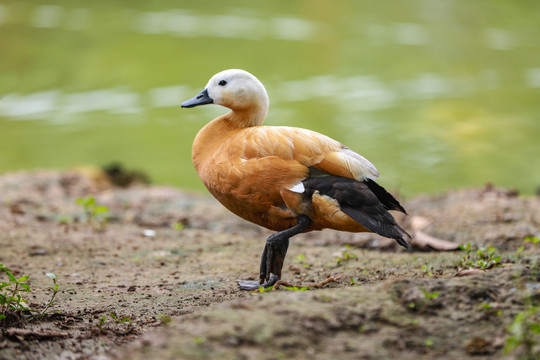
{"x": 383, "y": 224}
{"x": 387, "y": 199}
{"x": 365, "y": 202}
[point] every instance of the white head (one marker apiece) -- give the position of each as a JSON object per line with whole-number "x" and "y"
{"x": 237, "y": 90}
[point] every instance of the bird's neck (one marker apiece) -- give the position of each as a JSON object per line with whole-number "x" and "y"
{"x": 212, "y": 135}
{"x": 249, "y": 116}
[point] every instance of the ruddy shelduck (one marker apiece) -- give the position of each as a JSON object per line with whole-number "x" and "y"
{"x": 286, "y": 179}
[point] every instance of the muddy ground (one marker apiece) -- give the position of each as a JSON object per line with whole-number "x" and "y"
{"x": 157, "y": 280}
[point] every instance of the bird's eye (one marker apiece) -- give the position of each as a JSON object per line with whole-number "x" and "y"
{"x": 222, "y": 83}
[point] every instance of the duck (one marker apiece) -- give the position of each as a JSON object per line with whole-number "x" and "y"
{"x": 287, "y": 179}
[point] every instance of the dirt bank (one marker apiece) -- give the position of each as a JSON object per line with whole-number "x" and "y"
{"x": 166, "y": 261}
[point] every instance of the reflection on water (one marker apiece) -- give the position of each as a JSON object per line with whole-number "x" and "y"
{"x": 437, "y": 94}
{"x": 184, "y": 24}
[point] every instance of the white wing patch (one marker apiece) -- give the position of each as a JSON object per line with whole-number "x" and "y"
{"x": 361, "y": 167}
{"x": 298, "y": 188}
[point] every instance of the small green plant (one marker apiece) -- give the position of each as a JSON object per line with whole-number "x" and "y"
{"x": 164, "y": 319}
{"x": 12, "y": 301}
{"x": 101, "y": 322}
{"x": 532, "y": 239}
{"x": 301, "y": 259}
{"x": 488, "y": 309}
{"x": 487, "y": 258}
{"x": 527, "y": 239}
{"x": 353, "y": 281}
{"x": 524, "y": 333}
{"x": 117, "y": 320}
{"x": 64, "y": 220}
{"x": 429, "y": 295}
{"x": 345, "y": 255}
{"x": 178, "y": 226}
{"x": 53, "y": 289}
{"x": 427, "y": 271}
{"x": 483, "y": 258}
{"x": 465, "y": 261}
{"x": 96, "y": 215}
{"x": 120, "y": 320}
{"x": 425, "y": 304}
{"x": 199, "y": 340}
{"x": 10, "y": 297}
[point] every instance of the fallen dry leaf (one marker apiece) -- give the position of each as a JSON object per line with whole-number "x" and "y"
{"x": 469, "y": 272}
{"x": 423, "y": 241}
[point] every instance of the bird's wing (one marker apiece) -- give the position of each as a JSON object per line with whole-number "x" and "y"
{"x": 309, "y": 148}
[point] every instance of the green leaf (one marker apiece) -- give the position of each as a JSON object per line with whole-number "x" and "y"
{"x": 178, "y": 226}
{"x": 532, "y": 239}
{"x": 24, "y": 287}
{"x": 299, "y": 258}
{"x": 23, "y": 278}
{"x": 263, "y": 290}
{"x": 86, "y": 201}
{"x": 11, "y": 277}
{"x": 511, "y": 344}
{"x": 294, "y": 288}
{"x": 100, "y": 209}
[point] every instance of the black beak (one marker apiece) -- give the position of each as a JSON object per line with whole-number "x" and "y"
{"x": 200, "y": 99}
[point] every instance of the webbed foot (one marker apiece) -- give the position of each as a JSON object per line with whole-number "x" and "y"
{"x": 249, "y": 285}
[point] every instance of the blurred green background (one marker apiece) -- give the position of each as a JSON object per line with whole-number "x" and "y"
{"x": 437, "y": 94}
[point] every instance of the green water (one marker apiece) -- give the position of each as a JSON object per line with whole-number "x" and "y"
{"x": 437, "y": 94}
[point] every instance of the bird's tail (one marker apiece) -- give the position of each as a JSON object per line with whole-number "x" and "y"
{"x": 365, "y": 202}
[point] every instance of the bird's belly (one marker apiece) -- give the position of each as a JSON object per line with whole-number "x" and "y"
{"x": 258, "y": 208}
{"x": 252, "y": 188}
{"x": 255, "y": 208}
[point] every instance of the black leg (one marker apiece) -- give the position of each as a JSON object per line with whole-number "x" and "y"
{"x": 273, "y": 256}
